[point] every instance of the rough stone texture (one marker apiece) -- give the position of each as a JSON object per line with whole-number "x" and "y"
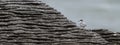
{"x": 111, "y": 37}
{"x": 31, "y": 22}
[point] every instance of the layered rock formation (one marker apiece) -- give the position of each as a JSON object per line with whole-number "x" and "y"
{"x": 32, "y": 22}
{"x": 112, "y": 37}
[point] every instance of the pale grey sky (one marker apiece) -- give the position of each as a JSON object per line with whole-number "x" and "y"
{"x": 97, "y": 13}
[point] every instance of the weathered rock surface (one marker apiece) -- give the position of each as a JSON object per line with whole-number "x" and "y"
{"x": 31, "y": 22}
{"x": 112, "y": 37}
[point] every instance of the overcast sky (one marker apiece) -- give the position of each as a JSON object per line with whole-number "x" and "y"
{"x": 97, "y": 13}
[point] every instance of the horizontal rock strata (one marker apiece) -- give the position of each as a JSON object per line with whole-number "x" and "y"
{"x": 32, "y": 22}
{"x": 112, "y": 37}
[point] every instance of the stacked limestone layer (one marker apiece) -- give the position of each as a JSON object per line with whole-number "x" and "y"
{"x": 31, "y": 22}
{"x": 112, "y": 37}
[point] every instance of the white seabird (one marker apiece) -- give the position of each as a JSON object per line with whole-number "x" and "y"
{"x": 82, "y": 24}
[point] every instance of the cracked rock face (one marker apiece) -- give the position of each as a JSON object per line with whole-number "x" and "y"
{"x": 32, "y": 22}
